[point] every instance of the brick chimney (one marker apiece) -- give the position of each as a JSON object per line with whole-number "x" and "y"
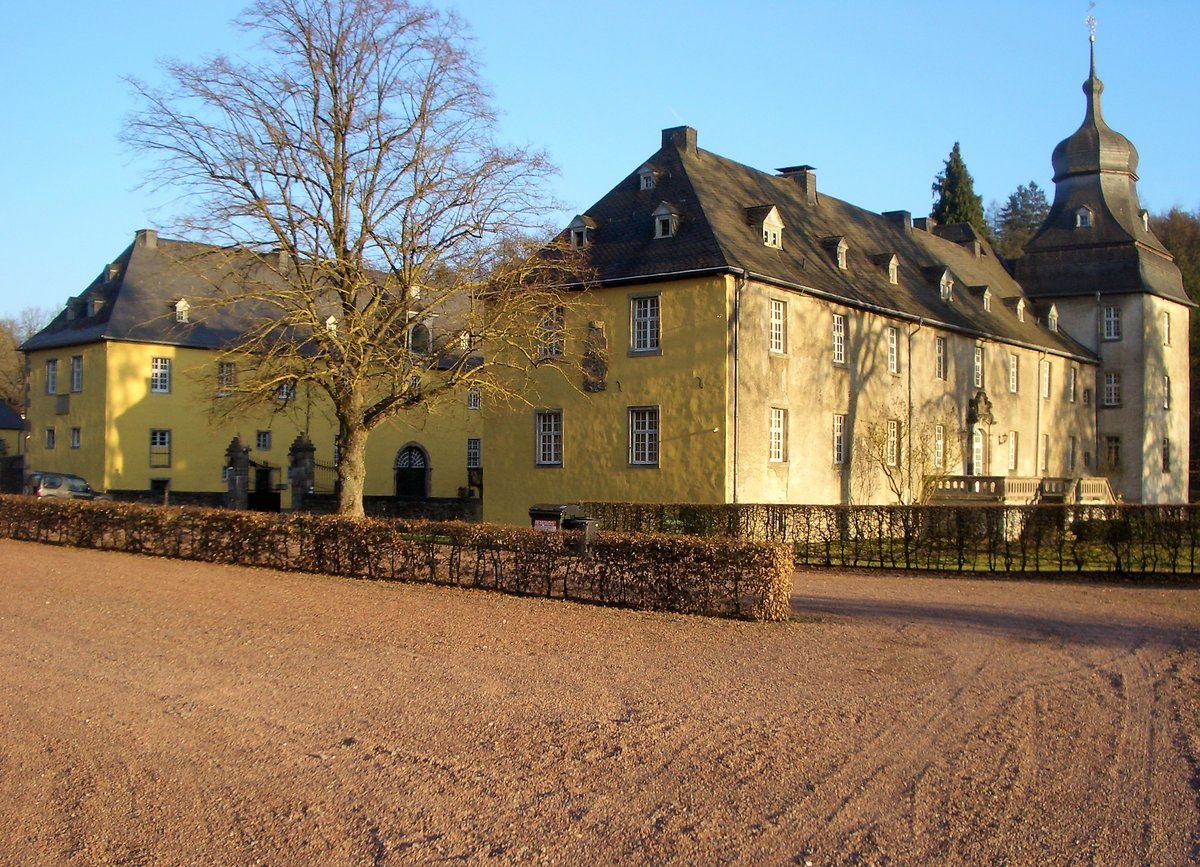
{"x": 900, "y": 219}
{"x": 147, "y": 238}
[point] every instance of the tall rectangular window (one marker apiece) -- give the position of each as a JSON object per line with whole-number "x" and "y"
{"x": 76, "y": 437}
{"x": 160, "y": 448}
{"x": 1112, "y": 452}
{"x": 939, "y": 446}
{"x": 893, "y": 350}
{"x": 226, "y": 378}
{"x": 548, "y": 432}
{"x": 1045, "y": 380}
{"x": 1014, "y": 368}
{"x": 978, "y": 378}
{"x": 1072, "y": 383}
{"x": 473, "y": 399}
{"x": 52, "y": 376}
{"x": 160, "y": 375}
{"x": 778, "y": 342}
{"x": 51, "y": 438}
{"x": 644, "y": 324}
{"x": 1112, "y": 389}
{"x": 1166, "y": 328}
{"x": 643, "y": 436}
{"x": 76, "y": 373}
{"x": 1012, "y": 451}
{"x": 839, "y": 338}
{"x": 1166, "y": 392}
{"x": 892, "y": 447}
{"x": 474, "y": 453}
{"x": 551, "y": 332}
{"x": 939, "y": 357}
{"x": 1044, "y": 457}
{"x": 1112, "y": 323}
{"x": 778, "y": 435}
{"x": 1166, "y": 455}
{"x": 1072, "y": 453}
{"x": 839, "y": 438}
{"x": 262, "y": 440}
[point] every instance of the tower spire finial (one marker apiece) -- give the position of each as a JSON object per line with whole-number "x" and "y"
{"x": 1090, "y": 21}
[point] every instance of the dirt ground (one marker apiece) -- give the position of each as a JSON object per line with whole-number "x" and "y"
{"x": 164, "y": 712}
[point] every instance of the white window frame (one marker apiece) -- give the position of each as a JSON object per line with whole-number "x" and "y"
{"x": 839, "y": 439}
{"x": 939, "y": 446}
{"x": 978, "y": 453}
{"x": 1013, "y": 451}
{"x": 474, "y": 453}
{"x": 893, "y": 349}
{"x": 645, "y": 323}
{"x": 1044, "y": 457}
{"x": 978, "y": 374}
{"x": 1112, "y": 388}
{"x": 1166, "y": 386}
{"x": 76, "y": 437}
{"x": 1112, "y": 451}
{"x": 1072, "y": 383}
{"x": 839, "y": 338}
{"x": 1045, "y": 379}
{"x": 1014, "y": 373}
{"x": 226, "y": 378}
{"x": 160, "y": 447}
{"x": 777, "y": 451}
{"x": 778, "y": 326}
{"x": 52, "y": 376}
{"x": 1166, "y": 327}
{"x": 644, "y": 436}
{"x": 286, "y": 391}
{"x": 474, "y": 401}
{"x": 552, "y": 332}
{"x": 1112, "y": 323}
{"x": 892, "y": 443}
{"x": 76, "y": 374}
{"x": 262, "y": 440}
{"x": 939, "y": 358}
{"x": 51, "y": 438}
{"x": 548, "y": 438}
{"x": 1166, "y": 454}
{"x": 160, "y": 375}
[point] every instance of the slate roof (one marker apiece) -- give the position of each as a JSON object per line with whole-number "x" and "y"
{"x": 137, "y": 295}
{"x": 713, "y": 197}
{"x": 10, "y": 419}
{"x": 1096, "y": 168}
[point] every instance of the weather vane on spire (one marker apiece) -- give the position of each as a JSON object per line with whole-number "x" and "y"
{"x": 1090, "y": 21}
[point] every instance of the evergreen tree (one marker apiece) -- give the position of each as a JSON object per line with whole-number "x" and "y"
{"x": 1017, "y": 221}
{"x": 956, "y": 199}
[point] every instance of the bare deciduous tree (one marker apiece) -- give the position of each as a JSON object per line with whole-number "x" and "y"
{"x": 911, "y": 460}
{"x": 356, "y": 155}
{"x": 14, "y": 332}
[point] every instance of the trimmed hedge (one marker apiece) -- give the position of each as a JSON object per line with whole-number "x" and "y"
{"x": 1126, "y": 540}
{"x": 646, "y": 571}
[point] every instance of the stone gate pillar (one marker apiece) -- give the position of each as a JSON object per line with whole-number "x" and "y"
{"x": 237, "y": 458}
{"x": 301, "y": 470}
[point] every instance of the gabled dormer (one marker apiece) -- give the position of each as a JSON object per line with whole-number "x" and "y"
{"x": 647, "y": 177}
{"x": 765, "y": 219}
{"x": 581, "y": 230}
{"x": 1083, "y": 218}
{"x": 182, "y": 310}
{"x": 1052, "y": 318}
{"x": 940, "y": 276}
{"x": 839, "y": 249}
{"x": 890, "y": 264}
{"x": 666, "y": 221}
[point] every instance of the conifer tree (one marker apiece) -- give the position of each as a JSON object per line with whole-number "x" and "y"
{"x": 956, "y": 199}
{"x": 1021, "y": 216}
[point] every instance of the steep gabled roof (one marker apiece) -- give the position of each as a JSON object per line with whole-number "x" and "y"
{"x": 713, "y": 197}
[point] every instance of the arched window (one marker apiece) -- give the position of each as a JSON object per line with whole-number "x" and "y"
{"x": 412, "y": 472}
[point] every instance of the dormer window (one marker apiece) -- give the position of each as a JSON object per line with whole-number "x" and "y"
{"x": 666, "y": 221}
{"x": 946, "y": 289}
{"x": 837, "y": 244}
{"x": 766, "y": 218}
{"x": 1020, "y": 309}
{"x": 987, "y": 300}
{"x": 1145, "y": 215}
{"x": 893, "y": 269}
{"x": 581, "y": 229}
{"x": 331, "y": 324}
{"x": 1083, "y": 218}
{"x": 1052, "y": 319}
{"x": 181, "y": 310}
{"x": 646, "y": 178}
{"x": 95, "y": 305}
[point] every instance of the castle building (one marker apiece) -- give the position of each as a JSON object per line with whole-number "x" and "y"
{"x": 748, "y": 338}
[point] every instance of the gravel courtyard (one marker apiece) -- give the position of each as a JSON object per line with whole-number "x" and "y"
{"x": 166, "y": 712}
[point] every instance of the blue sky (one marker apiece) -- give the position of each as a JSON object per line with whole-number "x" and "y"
{"x": 873, "y": 94}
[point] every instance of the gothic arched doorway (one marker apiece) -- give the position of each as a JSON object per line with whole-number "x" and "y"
{"x": 412, "y": 472}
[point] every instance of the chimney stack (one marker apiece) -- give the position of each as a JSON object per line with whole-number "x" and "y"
{"x": 806, "y": 177}
{"x": 147, "y": 238}
{"x": 901, "y": 219}
{"x": 682, "y": 138}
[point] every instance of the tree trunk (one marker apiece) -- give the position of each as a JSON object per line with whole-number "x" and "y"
{"x": 352, "y": 470}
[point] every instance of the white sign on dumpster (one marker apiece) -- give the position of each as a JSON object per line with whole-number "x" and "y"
{"x": 546, "y": 525}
